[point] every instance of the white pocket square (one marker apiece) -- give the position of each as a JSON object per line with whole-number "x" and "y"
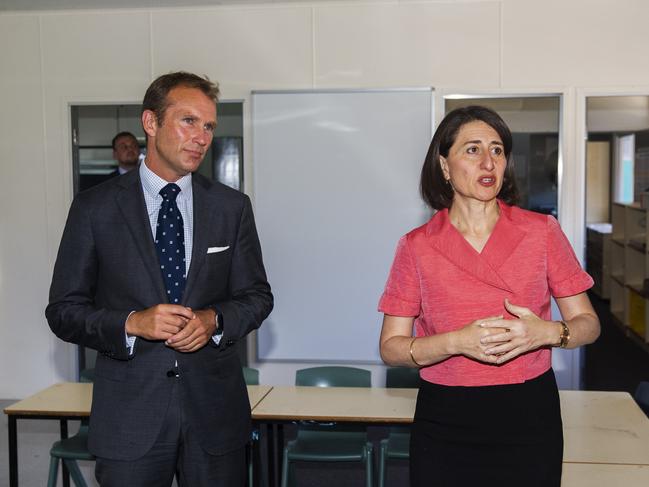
{"x": 214, "y": 250}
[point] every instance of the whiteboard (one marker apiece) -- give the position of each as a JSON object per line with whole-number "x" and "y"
{"x": 336, "y": 183}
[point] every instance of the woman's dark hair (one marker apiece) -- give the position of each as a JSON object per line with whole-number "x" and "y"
{"x": 435, "y": 190}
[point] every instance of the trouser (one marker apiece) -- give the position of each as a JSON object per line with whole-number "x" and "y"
{"x": 177, "y": 452}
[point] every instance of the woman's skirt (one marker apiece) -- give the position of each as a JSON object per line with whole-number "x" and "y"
{"x": 504, "y": 435}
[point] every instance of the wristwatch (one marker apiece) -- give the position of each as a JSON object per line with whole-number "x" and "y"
{"x": 565, "y": 334}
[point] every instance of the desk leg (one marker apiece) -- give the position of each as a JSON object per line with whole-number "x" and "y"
{"x": 275, "y": 442}
{"x": 255, "y": 447}
{"x": 64, "y": 471}
{"x": 279, "y": 438}
{"x": 13, "y": 452}
{"x": 271, "y": 446}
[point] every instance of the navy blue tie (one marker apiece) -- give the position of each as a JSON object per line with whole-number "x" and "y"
{"x": 170, "y": 244}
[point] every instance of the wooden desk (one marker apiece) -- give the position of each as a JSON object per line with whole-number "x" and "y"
{"x": 62, "y": 402}
{"x": 606, "y": 434}
{"x": 366, "y": 405}
{"x": 604, "y": 475}
{"x": 257, "y": 393}
{"x": 65, "y": 401}
{"x": 350, "y": 404}
{"x": 599, "y": 427}
{"x": 604, "y": 427}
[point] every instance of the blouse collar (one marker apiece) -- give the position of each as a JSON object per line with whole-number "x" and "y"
{"x": 504, "y": 239}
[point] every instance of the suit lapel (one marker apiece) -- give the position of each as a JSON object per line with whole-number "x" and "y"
{"x": 130, "y": 201}
{"x": 204, "y": 205}
{"x": 484, "y": 266}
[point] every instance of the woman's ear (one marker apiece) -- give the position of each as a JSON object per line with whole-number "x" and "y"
{"x": 444, "y": 165}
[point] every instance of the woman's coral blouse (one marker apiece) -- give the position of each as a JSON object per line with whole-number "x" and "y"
{"x": 438, "y": 278}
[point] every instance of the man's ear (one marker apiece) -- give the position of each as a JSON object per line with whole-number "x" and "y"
{"x": 150, "y": 122}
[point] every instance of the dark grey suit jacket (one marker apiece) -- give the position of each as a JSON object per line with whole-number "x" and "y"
{"x": 107, "y": 267}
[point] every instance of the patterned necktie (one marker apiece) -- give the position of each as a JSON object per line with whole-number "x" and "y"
{"x": 170, "y": 244}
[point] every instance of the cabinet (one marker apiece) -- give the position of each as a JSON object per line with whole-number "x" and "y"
{"x": 629, "y": 268}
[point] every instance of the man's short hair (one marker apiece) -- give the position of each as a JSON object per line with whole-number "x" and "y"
{"x": 155, "y": 98}
{"x": 120, "y": 135}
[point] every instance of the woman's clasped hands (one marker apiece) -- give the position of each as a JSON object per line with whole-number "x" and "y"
{"x": 507, "y": 339}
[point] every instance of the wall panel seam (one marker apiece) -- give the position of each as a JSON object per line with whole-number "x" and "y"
{"x": 501, "y": 48}
{"x": 313, "y": 47}
{"x": 151, "y": 66}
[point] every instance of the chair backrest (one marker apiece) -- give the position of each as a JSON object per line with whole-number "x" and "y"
{"x": 641, "y": 396}
{"x": 251, "y": 376}
{"x": 87, "y": 375}
{"x": 333, "y": 376}
{"x": 402, "y": 377}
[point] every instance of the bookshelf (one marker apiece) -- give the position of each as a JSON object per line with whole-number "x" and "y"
{"x": 629, "y": 268}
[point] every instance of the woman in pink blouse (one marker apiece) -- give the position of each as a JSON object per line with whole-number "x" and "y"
{"x": 475, "y": 284}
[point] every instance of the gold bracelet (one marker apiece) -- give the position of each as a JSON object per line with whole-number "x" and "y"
{"x": 412, "y": 357}
{"x": 565, "y": 334}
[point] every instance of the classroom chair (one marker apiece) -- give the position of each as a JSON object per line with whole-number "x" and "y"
{"x": 320, "y": 442}
{"x": 87, "y": 375}
{"x": 250, "y": 376}
{"x": 71, "y": 449}
{"x": 397, "y": 444}
{"x": 641, "y": 396}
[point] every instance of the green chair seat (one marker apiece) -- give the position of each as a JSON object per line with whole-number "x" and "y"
{"x": 336, "y": 446}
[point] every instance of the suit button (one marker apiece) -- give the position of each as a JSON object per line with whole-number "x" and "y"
{"x": 229, "y": 343}
{"x": 172, "y": 373}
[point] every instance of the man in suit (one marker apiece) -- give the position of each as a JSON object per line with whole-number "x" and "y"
{"x": 126, "y": 151}
{"x": 169, "y": 396}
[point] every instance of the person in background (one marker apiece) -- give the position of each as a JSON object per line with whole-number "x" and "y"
{"x": 160, "y": 270}
{"x": 475, "y": 284}
{"x": 126, "y": 151}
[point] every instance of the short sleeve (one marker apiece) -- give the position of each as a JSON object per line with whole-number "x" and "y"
{"x": 565, "y": 275}
{"x": 402, "y": 294}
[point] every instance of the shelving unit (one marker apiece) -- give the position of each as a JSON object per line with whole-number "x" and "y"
{"x": 629, "y": 268}
{"x": 598, "y": 257}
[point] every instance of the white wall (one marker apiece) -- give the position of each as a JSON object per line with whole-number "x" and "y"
{"x": 51, "y": 59}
